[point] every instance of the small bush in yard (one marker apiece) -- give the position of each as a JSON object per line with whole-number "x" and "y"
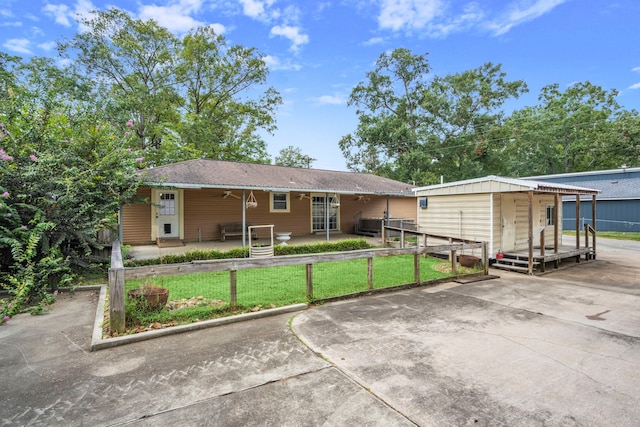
{"x": 343, "y": 245}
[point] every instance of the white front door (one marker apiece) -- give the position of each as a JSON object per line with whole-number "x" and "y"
{"x": 508, "y": 222}
{"x": 168, "y": 214}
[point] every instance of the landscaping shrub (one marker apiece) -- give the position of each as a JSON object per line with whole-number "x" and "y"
{"x": 198, "y": 255}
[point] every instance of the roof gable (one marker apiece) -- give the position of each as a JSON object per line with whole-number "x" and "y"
{"x": 206, "y": 173}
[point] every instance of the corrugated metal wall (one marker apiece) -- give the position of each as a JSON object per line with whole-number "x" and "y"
{"x": 611, "y": 215}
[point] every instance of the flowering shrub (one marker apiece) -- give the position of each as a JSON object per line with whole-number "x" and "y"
{"x": 63, "y": 176}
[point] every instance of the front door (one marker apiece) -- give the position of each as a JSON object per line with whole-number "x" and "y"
{"x": 319, "y": 212}
{"x": 167, "y": 218}
{"x": 508, "y": 222}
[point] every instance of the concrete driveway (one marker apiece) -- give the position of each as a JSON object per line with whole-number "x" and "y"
{"x": 561, "y": 349}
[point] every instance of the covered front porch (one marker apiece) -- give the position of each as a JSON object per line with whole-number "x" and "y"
{"x": 551, "y": 249}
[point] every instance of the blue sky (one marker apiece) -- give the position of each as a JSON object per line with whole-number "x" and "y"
{"x": 318, "y": 50}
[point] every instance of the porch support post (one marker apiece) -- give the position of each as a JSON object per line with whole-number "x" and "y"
{"x": 326, "y": 214}
{"x": 577, "y": 221}
{"x": 595, "y": 229}
{"x": 530, "y": 232}
{"x": 387, "y": 215}
{"x": 244, "y": 220}
{"x": 556, "y": 226}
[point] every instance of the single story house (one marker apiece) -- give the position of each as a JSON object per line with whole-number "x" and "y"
{"x": 196, "y": 200}
{"x": 618, "y": 201}
{"x": 509, "y": 214}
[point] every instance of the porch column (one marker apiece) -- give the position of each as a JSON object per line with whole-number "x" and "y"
{"x": 530, "y": 266}
{"x": 244, "y": 220}
{"x": 387, "y": 216}
{"x": 556, "y": 216}
{"x": 593, "y": 218}
{"x": 578, "y": 221}
{"x": 326, "y": 214}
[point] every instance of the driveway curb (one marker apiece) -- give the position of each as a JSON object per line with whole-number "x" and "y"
{"x": 97, "y": 343}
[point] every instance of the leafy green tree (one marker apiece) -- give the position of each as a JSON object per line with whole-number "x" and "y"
{"x": 185, "y": 98}
{"x": 623, "y": 147}
{"x": 136, "y": 61}
{"x": 219, "y": 122}
{"x": 578, "y": 129}
{"x": 293, "y": 157}
{"x": 416, "y": 128}
{"x": 390, "y": 111}
{"x": 64, "y": 172}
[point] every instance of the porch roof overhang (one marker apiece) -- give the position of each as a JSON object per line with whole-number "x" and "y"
{"x": 224, "y": 175}
{"x": 498, "y": 184}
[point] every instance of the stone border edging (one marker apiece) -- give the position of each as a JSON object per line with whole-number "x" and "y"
{"x": 98, "y": 343}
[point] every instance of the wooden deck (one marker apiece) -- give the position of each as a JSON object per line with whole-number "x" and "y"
{"x": 519, "y": 260}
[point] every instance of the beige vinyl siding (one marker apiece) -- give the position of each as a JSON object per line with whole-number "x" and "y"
{"x": 464, "y": 216}
{"x": 496, "y": 244}
{"x": 136, "y": 220}
{"x": 540, "y": 203}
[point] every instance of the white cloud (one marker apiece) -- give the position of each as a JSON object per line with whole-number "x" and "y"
{"x": 18, "y": 45}
{"x": 60, "y": 13}
{"x": 274, "y": 64}
{"x": 11, "y": 24}
{"x": 521, "y": 12}
{"x": 634, "y": 86}
{"x": 439, "y": 18}
{"x": 47, "y": 46}
{"x": 373, "y": 41}
{"x": 175, "y": 16}
{"x": 218, "y": 28}
{"x": 636, "y": 69}
{"x": 330, "y": 100}
{"x": 292, "y": 33}
{"x": 408, "y": 14}
{"x": 255, "y": 8}
{"x": 64, "y": 15}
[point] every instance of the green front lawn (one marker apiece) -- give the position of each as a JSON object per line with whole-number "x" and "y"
{"x": 276, "y": 286}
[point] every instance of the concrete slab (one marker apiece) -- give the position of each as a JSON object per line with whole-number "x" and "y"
{"x": 562, "y": 349}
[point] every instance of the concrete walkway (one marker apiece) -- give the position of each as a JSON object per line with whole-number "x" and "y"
{"x": 562, "y": 349}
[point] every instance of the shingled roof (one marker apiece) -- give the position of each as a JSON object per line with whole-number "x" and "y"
{"x": 205, "y": 173}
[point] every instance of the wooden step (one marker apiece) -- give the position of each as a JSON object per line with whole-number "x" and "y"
{"x": 515, "y": 261}
{"x": 510, "y": 267}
